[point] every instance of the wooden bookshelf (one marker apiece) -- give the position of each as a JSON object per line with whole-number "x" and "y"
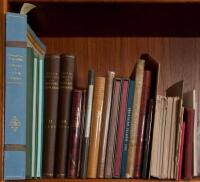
{"x": 111, "y": 35}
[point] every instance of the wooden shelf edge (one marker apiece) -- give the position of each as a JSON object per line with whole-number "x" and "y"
{"x": 104, "y": 1}
{"x": 101, "y": 180}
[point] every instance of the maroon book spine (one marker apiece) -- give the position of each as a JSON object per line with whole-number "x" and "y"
{"x": 120, "y": 132}
{"x": 188, "y": 144}
{"x": 180, "y": 160}
{"x": 51, "y": 86}
{"x": 74, "y": 134}
{"x": 142, "y": 120}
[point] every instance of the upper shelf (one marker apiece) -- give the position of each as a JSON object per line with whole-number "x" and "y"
{"x": 112, "y": 19}
{"x": 104, "y": 1}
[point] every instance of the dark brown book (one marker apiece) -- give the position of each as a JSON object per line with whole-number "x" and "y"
{"x": 65, "y": 89}
{"x": 74, "y": 133}
{"x": 148, "y": 140}
{"x": 83, "y": 111}
{"x": 51, "y": 86}
{"x": 188, "y": 144}
{"x": 142, "y": 122}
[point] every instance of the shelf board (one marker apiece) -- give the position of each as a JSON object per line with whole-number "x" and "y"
{"x": 104, "y": 1}
{"x": 103, "y": 180}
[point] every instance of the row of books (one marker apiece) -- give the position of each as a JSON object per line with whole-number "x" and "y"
{"x": 92, "y": 136}
{"x": 114, "y": 128}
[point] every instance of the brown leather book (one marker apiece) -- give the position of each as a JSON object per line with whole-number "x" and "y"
{"x": 66, "y": 85}
{"x": 105, "y": 123}
{"x": 51, "y": 71}
{"x": 74, "y": 133}
{"x": 95, "y": 127}
{"x": 188, "y": 144}
{"x": 142, "y": 123}
{"x": 147, "y": 140}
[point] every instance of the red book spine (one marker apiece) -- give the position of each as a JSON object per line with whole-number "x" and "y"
{"x": 188, "y": 145}
{"x": 180, "y": 161}
{"x": 121, "y": 127}
{"x": 142, "y": 120}
{"x": 74, "y": 134}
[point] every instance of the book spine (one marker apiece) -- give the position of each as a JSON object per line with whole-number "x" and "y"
{"x": 30, "y": 62}
{"x": 40, "y": 116}
{"x": 52, "y": 69}
{"x": 95, "y": 126}
{"x": 116, "y": 98}
{"x": 83, "y": 112}
{"x": 188, "y": 145}
{"x": 105, "y": 123}
{"x": 148, "y": 141}
{"x": 35, "y": 113}
{"x": 135, "y": 118}
{"x": 85, "y": 142}
{"x": 65, "y": 89}
{"x": 180, "y": 160}
{"x": 142, "y": 123}
{"x": 120, "y": 132}
{"x": 159, "y": 116}
{"x": 127, "y": 128}
{"x": 15, "y": 146}
{"x": 74, "y": 134}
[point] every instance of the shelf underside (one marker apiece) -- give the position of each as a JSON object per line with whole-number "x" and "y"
{"x": 114, "y": 20}
{"x": 108, "y": 1}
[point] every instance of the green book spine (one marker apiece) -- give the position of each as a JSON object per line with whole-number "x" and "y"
{"x": 30, "y": 62}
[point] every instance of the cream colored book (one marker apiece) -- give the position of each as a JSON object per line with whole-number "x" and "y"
{"x": 135, "y": 118}
{"x": 163, "y": 124}
{"x": 171, "y": 171}
{"x": 154, "y": 162}
{"x": 166, "y": 142}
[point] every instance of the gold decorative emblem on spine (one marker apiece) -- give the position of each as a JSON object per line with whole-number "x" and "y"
{"x": 14, "y": 123}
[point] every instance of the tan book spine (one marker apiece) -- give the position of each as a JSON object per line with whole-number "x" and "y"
{"x": 166, "y": 143}
{"x": 95, "y": 126}
{"x": 135, "y": 118}
{"x": 105, "y": 123}
{"x": 155, "y": 140}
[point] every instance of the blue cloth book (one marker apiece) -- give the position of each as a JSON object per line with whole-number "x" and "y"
{"x": 15, "y": 97}
{"x": 21, "y": 112}
{"x": 127, "y": 128}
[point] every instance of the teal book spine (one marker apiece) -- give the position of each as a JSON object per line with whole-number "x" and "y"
{"x": 40, "y": 117}
{"x": 127, "y": 129}
{"x": 35, "y": 113}
{"x": 15, "y": 144}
